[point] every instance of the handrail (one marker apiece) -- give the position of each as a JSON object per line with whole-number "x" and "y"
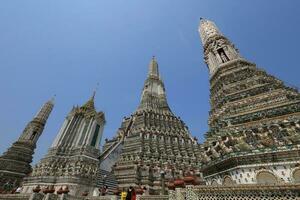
{"x": 108, "y": 151}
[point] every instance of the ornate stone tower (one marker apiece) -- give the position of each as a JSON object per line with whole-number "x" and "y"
{"x": 254, "y": 119}
{"x": 15, "y": 162}
{"x": 151, "y": 141}
{"x": 72, "y": 159}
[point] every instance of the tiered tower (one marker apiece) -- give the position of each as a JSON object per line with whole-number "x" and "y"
{"x": 153, "y": 141}
{"x": 15, "y": 162}
{"x": 72, "y": 159}
{"x": 254, "y": 119}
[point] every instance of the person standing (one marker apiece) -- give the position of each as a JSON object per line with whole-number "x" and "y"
{"x": 123, "y": 194}
{"x": 129, "y": 193}
{"x": 104, "y": 190}
{"x": 133, "y": 194}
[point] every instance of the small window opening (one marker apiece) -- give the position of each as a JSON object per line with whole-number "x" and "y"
{"x": 94, "y": 140}
{"x": 33, "y": 135}
{"x": 223, "y": 55}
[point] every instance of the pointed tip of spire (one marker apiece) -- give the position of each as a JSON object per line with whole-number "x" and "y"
{"x": 153, "y": 67}
{"x": 94, "y": 94}
{"x": 46, "y": 109}
{"x": 92, "y": 98}
{"x": 153, "y": 61}
{"x": 95, "y": 90}
{"x": 52, "y": 100}
{"x": 202, "y": 19}
{"x": 207, "y": 29}
{"x": 90, "y": 103}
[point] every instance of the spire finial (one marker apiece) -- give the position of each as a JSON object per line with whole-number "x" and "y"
{"x": 95, "y": 90}
{"x": 153, "y": 67}
{"x": 52, "y": 100}
{"x": 153, "y": 94}
{"x": 90, "y": 103}
{"x": 208, "y": 29}
{"x": 45, "y": 110}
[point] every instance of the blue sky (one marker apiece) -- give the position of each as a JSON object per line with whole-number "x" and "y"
{"x": 65, "y": 47}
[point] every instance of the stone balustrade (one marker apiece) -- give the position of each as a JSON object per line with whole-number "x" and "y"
{"x": 202, "y": 192}
{"x": 237, "y": 192}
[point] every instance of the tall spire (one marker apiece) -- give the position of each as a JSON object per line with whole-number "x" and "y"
{"x": 153, "y": 131}
{"x": 218, "y": 50}
{"x": 16, "y": 160}
{"x": 45, "y": 111}
{"x": 253, "y": 115}
{"x": 153, "y": 95}
{"x": 34, "y": 128}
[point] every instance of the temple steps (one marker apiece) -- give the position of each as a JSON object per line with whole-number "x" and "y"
{"x": 109, "y": 180}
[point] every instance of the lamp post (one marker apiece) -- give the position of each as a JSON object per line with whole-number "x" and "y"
{"x": 163, "y": 185}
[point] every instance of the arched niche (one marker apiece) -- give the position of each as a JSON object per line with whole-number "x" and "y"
{"x": 214, "y": 182}
{"x": 228, "y": 181}
{"x": 296, "y": 175}
{"x": 266, "y": 177}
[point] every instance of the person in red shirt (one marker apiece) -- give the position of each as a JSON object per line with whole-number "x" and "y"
{"x": 133, "y": 194}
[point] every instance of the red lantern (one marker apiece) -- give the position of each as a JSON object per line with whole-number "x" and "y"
{"x": 179, "y": 183}
{"x": 46, "y": 190}
{"x": 51, "y": 190}
{"x": 171, "y": 185}
{"x": 189, "y": 180}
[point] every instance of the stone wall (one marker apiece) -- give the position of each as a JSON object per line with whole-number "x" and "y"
{"x": 283, "y": 172}
{"x": 238, "y": 192}
{"x": 14, "y": 196}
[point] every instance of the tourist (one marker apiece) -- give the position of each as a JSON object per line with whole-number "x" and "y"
{"x": 123, "y": 194}
{"x": 133, "y": 194}
{"x": 104, "y": 190}
{"x": 129, "y": 193}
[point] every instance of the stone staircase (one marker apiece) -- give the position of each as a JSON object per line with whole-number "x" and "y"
{"x": 109, "y": 158}
{"x": 108, "y": 179}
